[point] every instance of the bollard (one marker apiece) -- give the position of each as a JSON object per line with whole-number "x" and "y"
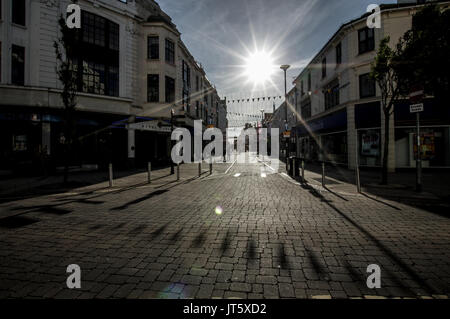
{"x": 149, "y": 171}
{"x": 110, "y": 175}
{"x": 323, "y": 174}
{"x": 210, "y": 168}
{"x": 303, "y": 170}
{"x": 178, "y": 171}
{"x": 199, "y": 169}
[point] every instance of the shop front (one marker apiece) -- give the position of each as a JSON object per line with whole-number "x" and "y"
{"x": 434, "y": 135}
{"x": 324, "y": 138}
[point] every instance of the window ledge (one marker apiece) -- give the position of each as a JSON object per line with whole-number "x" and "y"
{"x": 24, "y": 27}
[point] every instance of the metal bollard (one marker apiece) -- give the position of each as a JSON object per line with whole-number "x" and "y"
{"x": 178, "y": 171}
{"x": 210, "y": 168}
{"x": 110, "y": 175}
{"x": 149, "y": 171}
{"x": 358, "y": 181}
{"x": 303, "y": 170}
{"x": 323, "y": 174}
{"x": 199, "y": 169}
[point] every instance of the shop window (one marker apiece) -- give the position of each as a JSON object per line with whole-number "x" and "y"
{"x": 366, "y": 40}
{"x": 17, "y": 65}
{"x": 170, "y": 90}
{"x": 170, "y": 51}
{"x": 18, "y": 12}
{"x": 153, "y": 47}
{"x": 367, "y": 86}
{"x": 153, "y": 88}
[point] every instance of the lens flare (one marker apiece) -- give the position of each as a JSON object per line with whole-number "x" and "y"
{"x": 259, "y": 67}
{"x": 219, "y": 210}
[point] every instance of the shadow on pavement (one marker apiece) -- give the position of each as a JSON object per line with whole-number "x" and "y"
{"x": 139, "y": 200}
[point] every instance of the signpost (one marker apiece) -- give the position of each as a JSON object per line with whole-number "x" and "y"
{"x": 416, "y": 97}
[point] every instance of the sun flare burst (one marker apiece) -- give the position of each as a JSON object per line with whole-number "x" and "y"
{"x": 259, "y": 67}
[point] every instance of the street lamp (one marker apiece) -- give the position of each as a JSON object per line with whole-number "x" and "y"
{"x": 285, "y": 67}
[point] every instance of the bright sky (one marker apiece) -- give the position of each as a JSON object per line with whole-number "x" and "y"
{"x": 222, "y": 35}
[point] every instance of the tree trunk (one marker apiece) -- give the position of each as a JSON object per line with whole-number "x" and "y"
{"x": 384, "y": 169}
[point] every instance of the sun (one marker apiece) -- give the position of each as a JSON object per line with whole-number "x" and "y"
{"x": 259, "y": 67}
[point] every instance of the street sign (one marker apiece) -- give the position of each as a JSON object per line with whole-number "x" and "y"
{"x": 415, "y": 108}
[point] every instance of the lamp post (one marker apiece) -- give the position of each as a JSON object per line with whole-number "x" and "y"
{"x": 285, "y": 67}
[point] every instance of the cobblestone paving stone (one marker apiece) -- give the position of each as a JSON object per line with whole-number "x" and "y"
{"x": 274, "y": 239}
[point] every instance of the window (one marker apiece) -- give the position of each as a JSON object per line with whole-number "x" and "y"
{"x": 153, "y": 47}
{"x": 170, "y": 90}
{"x": 339, "y": 54}
{"x": 331, "y": 94}
{"x": 306, "y": 109}
{"x": 366, "y": 40}
{"x": 196, "y": 84}
{"x": 18, "y": 12}
{"x": 0, "y": 53}
{"x": 366, "y": 86}
{"x": 197, "y": 109}
{"x": 186, "y": 85}
{"x": 324, "y": 68}
{"x": 309, "y": 82}
{"x": 170, "y": 51}
{"x": 302, "y": 89}
{"x": 96, "y": 59}
{"x": 17, "y": 65}
{"x": 153, "y": 88}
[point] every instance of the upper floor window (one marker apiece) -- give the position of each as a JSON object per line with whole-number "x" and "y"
{"x": 170, "y": 51}
{"x": 302, "y": 89}
{"x": 96, "y": 57}
{"x": 306, "y": 109}
{"x": 332, "y": 95}
{"x": 152, "y": 88}
{"x": 17, "y": 65}
{"x": 309, "y": 81}
{"x": 197, "y": 88}
{"x": 366, "y": 40}
{"x": 339, "y": 54}
{"x": 153, "y": 47}
{"x": 170, "y": 90}
{"x": 367, "y": 87}
{"x": 324, "y": 68}
{"x": 18, "y": 12}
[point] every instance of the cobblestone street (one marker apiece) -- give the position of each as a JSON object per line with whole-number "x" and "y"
{"x": 243, "y": 231}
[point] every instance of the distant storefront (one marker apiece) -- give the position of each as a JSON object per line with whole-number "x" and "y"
{"x": 330, "y": 132}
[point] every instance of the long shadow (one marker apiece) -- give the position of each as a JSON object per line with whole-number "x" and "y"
{"x": 282, "y": 258}
{"x": 139, "y": 200}
{"x": 386, "y": 250}
{"x": 199, "y": 240}
{"x": 138, "y": 229}
{"x": 318, "y": 267}
{"x": 251, "y": 250}
{"x": 379, "y": 201}
{"x": 335, "y": 194}
{"x": 175, "y": 236}
{"x": 226, "y": 241}
{"x": 158, "y": 231}
{"x": 12, "y": 222}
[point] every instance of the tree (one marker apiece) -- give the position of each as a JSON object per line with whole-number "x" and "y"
{"x": 425, "y": 53}
{"x": 65, "y": 47}
{"x": 384, "y": 72}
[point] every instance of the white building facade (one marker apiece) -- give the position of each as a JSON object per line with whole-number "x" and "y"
{"x": 339, "y": 104}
